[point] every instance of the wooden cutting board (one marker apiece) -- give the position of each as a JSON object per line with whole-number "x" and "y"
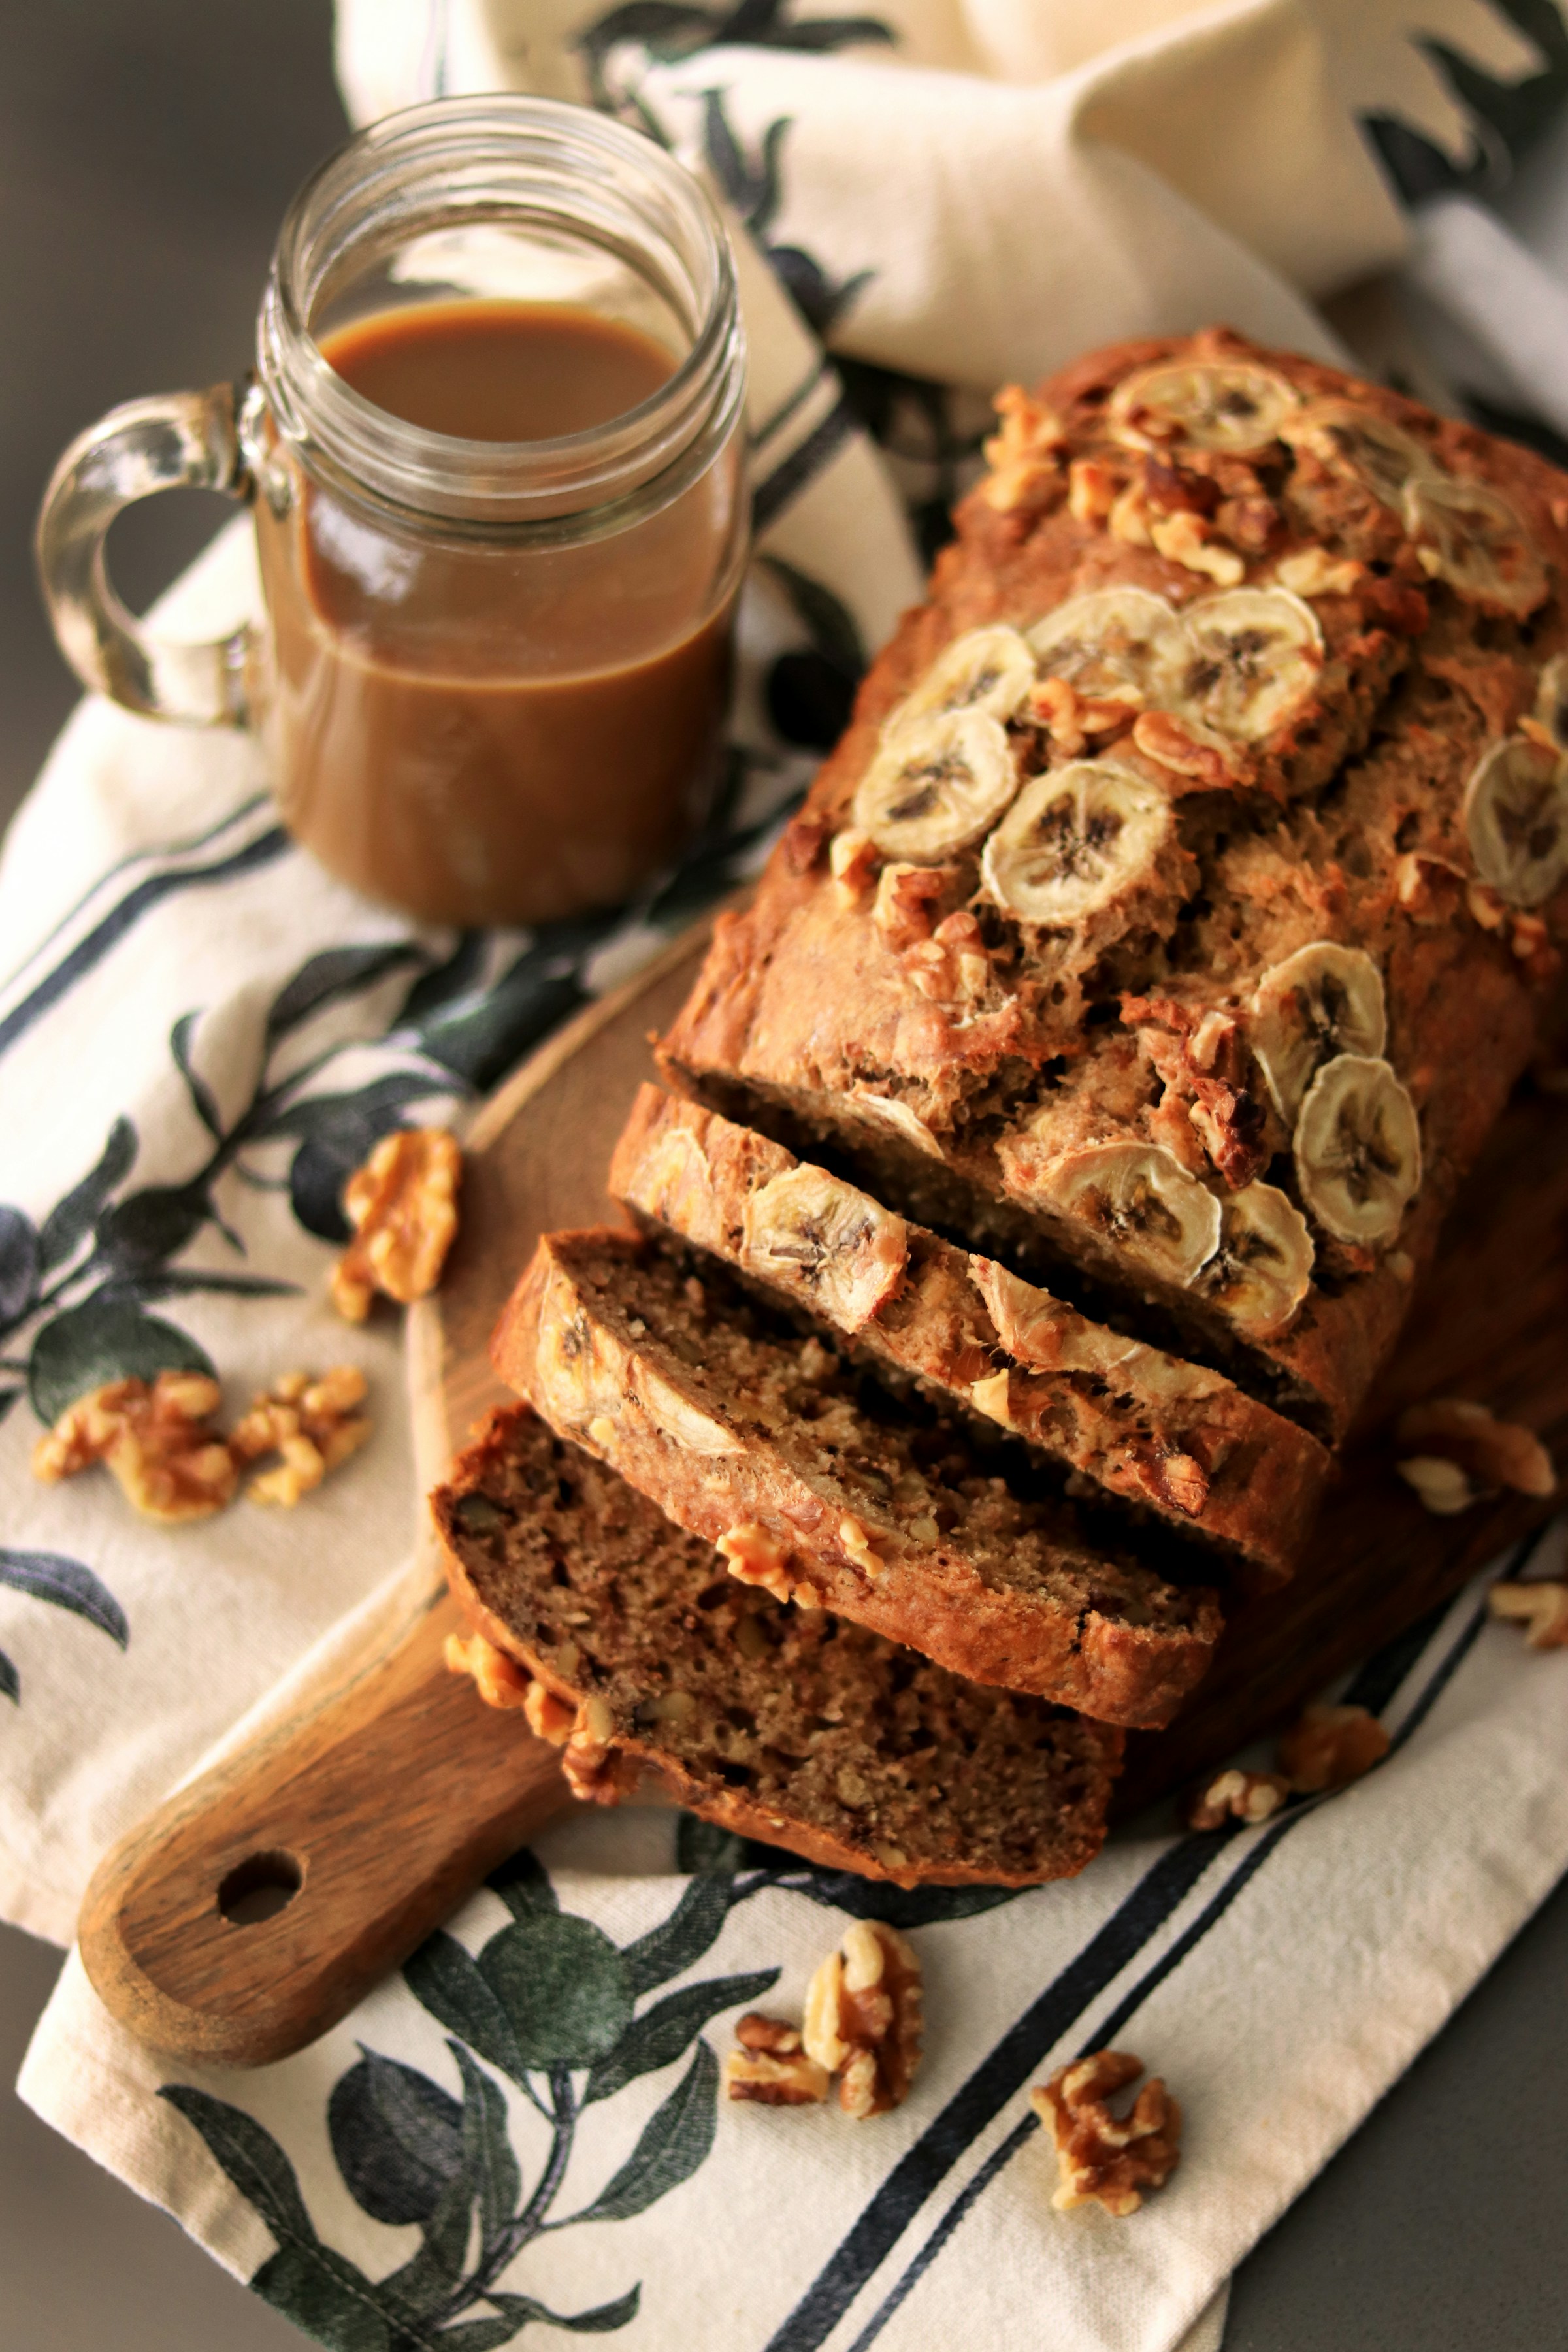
{"x": 260, "y": 1902}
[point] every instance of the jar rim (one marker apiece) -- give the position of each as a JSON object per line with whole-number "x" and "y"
{"x": 456, "y": 161}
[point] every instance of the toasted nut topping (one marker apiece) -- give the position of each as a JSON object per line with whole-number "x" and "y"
{"x": 1102, "y": 2158}
{"x": 403, "y": 1206}
{"x": 314, "y": 1424}
{"x": 858, "y": 1545}
{"x": 1232, "y": 1795}
{"x": 1542, "y": 1608}
{"x": 498, "y": 1679}
{"x": 1184, "y": 538}
{"x": 906, "y": 898}
{"x": 171, "y": 1465}
{"x": 1452, "y": 1435}
{"x": 1330, "y": 1748}
{"x": 596, "y": 1771}
{"x": 852, "y": 861}
{"x": 1025, "y": 456}
{"x": 1315, "y": 572}
{"x": 863, "y": 2018}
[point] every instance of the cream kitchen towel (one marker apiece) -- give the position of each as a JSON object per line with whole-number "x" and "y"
{"x": 201, "y": 1034}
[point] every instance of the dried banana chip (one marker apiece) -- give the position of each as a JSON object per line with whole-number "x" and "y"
{"x": 822, "y": 1238}
{"x": 1263, "y": 1267}
{"x": 1467, "y": 534}
{"x": 887, "y": 1110}
{"x": 936, "y": 787}
{"x": 989, "y": 670}
{"x": 1358, "y": 1149}
{"x": 1108, "y": 645}
{"x": 1551, "y": 700}
{"x": 1351, "y": 441}
{"x": 1076, "y": 838}
{"x": 1251, "y": 658}
{"x": 1516, "y": 816}
{"x": 1139, "y": 1197}
{"x": 1225, "y": 405}
{"x": 1324, "y": 1000}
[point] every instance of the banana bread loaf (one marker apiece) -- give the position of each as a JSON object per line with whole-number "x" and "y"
{"x": 783, "y": 1724}
{"x": 1179, "y": 908}
{"x": 1167, "y": 1437}
{"x": 824, "y": 1488}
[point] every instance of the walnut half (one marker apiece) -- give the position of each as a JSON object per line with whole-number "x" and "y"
{"x": 403, "y": 1206}
{"x": 864, "y": 2019}
{"x": 1103, "y": 2159}
{"x": 1330, "y": 1748}
{"x": 312, "y": 1425}
{"x": 157, "y": 1439}
{"x": 1541, "y": 1607}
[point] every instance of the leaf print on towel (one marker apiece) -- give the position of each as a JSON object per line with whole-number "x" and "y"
{"x": 753, "y": 187}
{"x": 667, "y": 31}
{"x": 69, "y": 1584}
{"x": 545, "y": 2024}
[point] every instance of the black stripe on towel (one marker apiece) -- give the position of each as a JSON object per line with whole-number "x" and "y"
{"x": 1386, "y": 1671}
{"x": 94, "y": 945}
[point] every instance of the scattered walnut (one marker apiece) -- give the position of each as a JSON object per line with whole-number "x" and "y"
{"x": 171, "y": 1465}
{"x": 1233, "y": 1795}
{"x": 403, "y": 1206}
{"x": 1102, "y": 2158}
{"x": 771, "y": 2068}
{"x": 497, "y": 1678}
{"x": 1184, "y": 538}
{"x": 1315, "y": 572}
{"x": 863, "y": 2018}
{"x": 1025, "y": 456}
{"x": 1459, "y": 1452}
{"x": 1542, "y": 1607}
{"x": 1128, "y": 518}
{"x": 1330, "y": 1748}
{"x": 314, "y": 1424}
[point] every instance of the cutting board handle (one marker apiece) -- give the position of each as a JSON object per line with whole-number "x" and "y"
{"x": 253, "y": 1910}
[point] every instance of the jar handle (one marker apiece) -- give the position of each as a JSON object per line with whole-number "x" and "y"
{"x": 181, "y": 440}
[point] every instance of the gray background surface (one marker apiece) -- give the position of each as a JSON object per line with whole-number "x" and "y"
{"x": 147, "y": 152}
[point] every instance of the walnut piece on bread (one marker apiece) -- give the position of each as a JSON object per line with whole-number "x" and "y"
{"x": 864, "y": 2020}
{"x": 157, "y": 1439}
{"x": 403, "y": 1206}
{"x": 1104, "y": 2159}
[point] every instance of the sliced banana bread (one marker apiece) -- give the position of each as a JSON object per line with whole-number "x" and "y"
{"x": 782, "y": 1723}
{"x": 1168, "y": 1436}
{"x": 1181, "y": 903}
{"x": 824, "y": 1488}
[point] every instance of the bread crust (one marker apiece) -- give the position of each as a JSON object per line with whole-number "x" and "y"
{"x": 1162, "y": 1436}
{"x": 514, "y": 1610}
{"x": 806, "y": 1006}
{"x": 713, "y": 1465}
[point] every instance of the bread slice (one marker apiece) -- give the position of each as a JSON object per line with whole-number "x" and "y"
{"x": 783, "y": 1724}
{"x": 823, "y": 1489}
{"x": 1203, "y": 991}
{"x": 1170, "y": 1437}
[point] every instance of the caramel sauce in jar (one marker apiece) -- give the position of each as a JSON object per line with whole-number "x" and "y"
{"x": 482, "y": 731}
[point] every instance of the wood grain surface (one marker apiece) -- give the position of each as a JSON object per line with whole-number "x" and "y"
{"x": 398, "y": 1789}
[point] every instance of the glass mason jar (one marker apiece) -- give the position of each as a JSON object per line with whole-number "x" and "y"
{"x": 491, "y": 674}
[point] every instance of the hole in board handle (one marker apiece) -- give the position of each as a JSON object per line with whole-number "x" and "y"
{"x": 259, "y": 1888}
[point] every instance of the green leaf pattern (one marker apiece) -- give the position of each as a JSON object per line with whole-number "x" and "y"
{"x": 548, "y": 2021}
